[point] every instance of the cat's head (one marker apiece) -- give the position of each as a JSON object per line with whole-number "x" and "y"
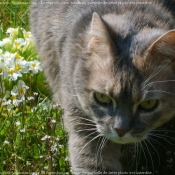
{"x": 126, "y": 85}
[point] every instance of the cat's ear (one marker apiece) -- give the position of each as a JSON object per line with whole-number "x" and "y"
{"x": 164, "y": 46}
{"x": 99, "y": 36}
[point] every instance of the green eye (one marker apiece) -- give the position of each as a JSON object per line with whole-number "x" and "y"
{"x": 148, "y": 105}
{"x": 103, "y": 99}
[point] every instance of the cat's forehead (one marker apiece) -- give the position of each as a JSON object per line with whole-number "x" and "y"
{"x": 118, "y": 81}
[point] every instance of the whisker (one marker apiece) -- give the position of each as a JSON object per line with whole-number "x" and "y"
{"x": 162, "y": 130}
{"x": 97, "y": 150}
{"x": 102, "y": 147}
{"x": 92, "y": 129}
{"x": 86, "y": 119}
{"x": 86, "y": 124}
{"x": 162, "y": 137}
{"x": 154, "y": 140}
{"x": 136, "y": 155}
{"x": 90, "y": 134}
{"x": 149, "y": 78}
{"x": 72, "y": 95}
{"x": 90, "y": 142}
{"x": 149, "y": 154}
{"x": 133, "y": 157}
{"x": 144, "y": 154}
{"x": 158, "y": 82}
{"x": 153, "y": 75}
{"x": 155, "y": 150}
{"x": 159, "y": 91}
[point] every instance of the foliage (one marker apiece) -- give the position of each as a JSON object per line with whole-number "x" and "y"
{"x": 32, "y": 136}
{"x": 14, "y": 14}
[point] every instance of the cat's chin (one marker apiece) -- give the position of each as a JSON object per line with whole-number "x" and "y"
{"x": 126, "y": 139}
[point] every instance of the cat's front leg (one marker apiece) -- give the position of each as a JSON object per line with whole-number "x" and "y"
{"x": 88, "y": 157}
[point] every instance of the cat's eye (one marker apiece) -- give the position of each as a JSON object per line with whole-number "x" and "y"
{"x": 102, "y": 98}
{"x": 148, "y": 105}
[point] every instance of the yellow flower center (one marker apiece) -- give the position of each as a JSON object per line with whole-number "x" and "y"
{"x": 11, "y": 72}
{"x": 21, "y": 91}
{"x": 17, "y": 67}
{"x": 13, "y": 97}
{"x": 8, "y": 57}
{"x": 17, "y": 44}
{"x": 18, "y": 56}
{"x": 27, "y": 35}
{"x": 34, "y": 65}
{"x": 15, "y": 32}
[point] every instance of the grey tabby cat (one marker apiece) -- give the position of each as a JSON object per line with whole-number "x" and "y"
{"x": 112, "y": 68}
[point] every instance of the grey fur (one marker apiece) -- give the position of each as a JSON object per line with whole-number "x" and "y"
{"x": 118, "y": 63}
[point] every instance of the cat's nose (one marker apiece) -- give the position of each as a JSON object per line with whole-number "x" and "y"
{"x": 121, "y": 132}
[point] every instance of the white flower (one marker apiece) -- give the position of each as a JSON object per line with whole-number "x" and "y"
{"x": 44, "y": 105}
{"x": 60, "y": 146}
{"x": 27, "y": 35}
{"x": 55, "y": 106}
{"x": 14, "y": 99}
{"x": 54, "y": 148}
{"x": 46, "y": 167}
{"x": 18, "y": 43}
{"x": 35, "y": 93}
{"x": 6, "y": 142}
{"x": 5, "y": 41}
{"x": 9, "y": 58}
{"x": 57, "y": 139}
{"x": 23, "y": 130}
{"x": 37, "y": 173}
{"x": 12, "y": 73}
{"x": 35, "y": 66}
{"x": 20, "y": 89}
{"x": 18, "y": 123}
{"x": 7, "y": 103}
{"x": 30, "y": 98}
{"x": 53, "y": 121}
{"x": 21, "y": 65}
{"x": 45, "y": 137}
{"x": 12, "y": 31}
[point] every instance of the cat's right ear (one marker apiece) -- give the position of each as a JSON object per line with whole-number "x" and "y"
{"x": 164, "y": 47}
{"x": 99, "y": 36}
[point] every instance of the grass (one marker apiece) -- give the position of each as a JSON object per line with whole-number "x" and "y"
{"x": 14, "y": 14}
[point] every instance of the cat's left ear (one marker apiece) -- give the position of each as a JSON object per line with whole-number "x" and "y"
{"x": 164, "y": 47}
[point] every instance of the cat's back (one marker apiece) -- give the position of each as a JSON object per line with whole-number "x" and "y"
{"x": 57, "y": 18}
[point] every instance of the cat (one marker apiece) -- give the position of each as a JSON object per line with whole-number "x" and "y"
{"x": 111, "y": 65}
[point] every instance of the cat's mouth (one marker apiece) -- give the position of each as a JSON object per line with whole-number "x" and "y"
{"x": 125, "y": 139}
